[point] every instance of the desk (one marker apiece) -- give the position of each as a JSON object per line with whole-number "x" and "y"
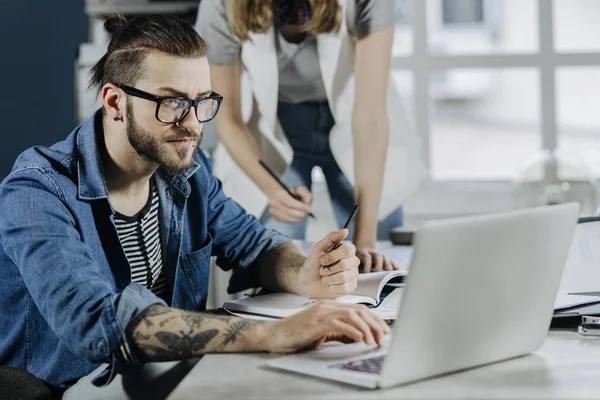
{"x": 567, "y": 367}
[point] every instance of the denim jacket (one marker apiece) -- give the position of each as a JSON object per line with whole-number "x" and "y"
{"x": 66, "y": 294}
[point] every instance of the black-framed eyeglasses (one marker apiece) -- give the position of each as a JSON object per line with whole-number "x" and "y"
{"x": 170, "y": 109}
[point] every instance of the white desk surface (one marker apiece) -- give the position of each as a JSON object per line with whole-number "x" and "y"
{"x": 566, "y": 367}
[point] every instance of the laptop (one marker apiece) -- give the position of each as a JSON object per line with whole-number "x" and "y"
{"x": 480, "y": 290}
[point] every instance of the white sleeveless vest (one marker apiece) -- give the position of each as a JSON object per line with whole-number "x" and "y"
{"x": 404, "y": 169}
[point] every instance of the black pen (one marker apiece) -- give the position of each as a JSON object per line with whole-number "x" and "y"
{"x": 282, "y": 184}
{"x": 350, "y": 218}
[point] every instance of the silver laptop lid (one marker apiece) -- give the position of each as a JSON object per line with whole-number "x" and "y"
{"x": 481, "y": 289}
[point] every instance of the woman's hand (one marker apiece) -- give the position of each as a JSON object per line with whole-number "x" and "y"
{"x": 285, "y": 208}
{"x": 372, "y": 261}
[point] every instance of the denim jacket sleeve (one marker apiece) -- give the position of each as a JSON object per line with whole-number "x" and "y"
{"x": 80, "y": 303}
{"x": 240, "y": 242}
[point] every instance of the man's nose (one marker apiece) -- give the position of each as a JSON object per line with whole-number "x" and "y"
{"x": 190, "y": 122}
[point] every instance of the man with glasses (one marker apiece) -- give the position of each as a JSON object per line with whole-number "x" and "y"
{"x": 106, "y": 237}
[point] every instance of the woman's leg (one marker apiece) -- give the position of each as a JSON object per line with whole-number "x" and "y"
{"x": 306, "y": 126}
{"x": 342, "y": 199}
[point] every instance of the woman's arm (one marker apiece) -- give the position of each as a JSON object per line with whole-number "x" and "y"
{"x": 232, "y": 130}
{"x": 370, "y": 133}
{"x": 242, "y": 146}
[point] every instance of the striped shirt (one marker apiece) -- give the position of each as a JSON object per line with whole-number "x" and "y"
{"x": 140, "y": 238}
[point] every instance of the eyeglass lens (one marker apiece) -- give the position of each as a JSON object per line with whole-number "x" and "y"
{"x": 172, "y": 109}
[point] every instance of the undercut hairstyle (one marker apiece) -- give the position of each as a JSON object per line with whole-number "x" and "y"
{"x": 256, "y": 16}
{"x": 131, "y": 40}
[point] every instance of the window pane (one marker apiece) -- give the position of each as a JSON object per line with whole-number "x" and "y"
{"x": 482, "y": 26}
{"x": 489, "y": 131}
{"x": 403, "y": 35}
{"x": 462, "y": 12}
{"x": 404, "y": 81}
{"x": 576, "y": 27}
{"x": 578, "y": 102}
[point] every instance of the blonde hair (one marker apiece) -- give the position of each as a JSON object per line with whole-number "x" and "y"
{"x": 256, "y": 16}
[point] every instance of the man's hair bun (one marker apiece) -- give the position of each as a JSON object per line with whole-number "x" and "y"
{"x": 115, "y": 23}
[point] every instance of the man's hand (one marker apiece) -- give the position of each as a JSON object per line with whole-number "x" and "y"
{"x": 329, "y": 274}
{"x": 371, "y": 261}
{"x": 325, "y": 321}
{"x": 286, "y": 208}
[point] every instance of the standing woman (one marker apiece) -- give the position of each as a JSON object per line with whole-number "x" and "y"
{"x": 306, "y": 84}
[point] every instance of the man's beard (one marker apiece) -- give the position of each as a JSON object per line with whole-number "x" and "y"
{"x": 146, "y": 145}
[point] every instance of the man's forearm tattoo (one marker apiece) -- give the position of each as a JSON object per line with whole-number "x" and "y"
{"x": 161, "y": 333}
{"x": 233, "y": 333}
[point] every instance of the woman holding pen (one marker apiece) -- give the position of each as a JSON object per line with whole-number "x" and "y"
{"x": 306, "y": 84}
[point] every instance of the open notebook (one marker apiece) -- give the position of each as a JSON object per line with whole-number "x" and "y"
{"x": 279, "y": 305}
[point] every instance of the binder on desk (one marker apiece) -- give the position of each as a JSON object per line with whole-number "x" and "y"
{"x": 571, "y": 318}
{"x": 579, "y": 292}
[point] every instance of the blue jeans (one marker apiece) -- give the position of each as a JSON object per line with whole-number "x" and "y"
{"x": 307, "y": 126}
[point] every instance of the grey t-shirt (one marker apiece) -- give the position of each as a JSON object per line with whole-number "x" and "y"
{"x": 299, "y": 71}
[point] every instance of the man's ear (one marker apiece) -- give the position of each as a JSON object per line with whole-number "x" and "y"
{"x": 113, "y": 100}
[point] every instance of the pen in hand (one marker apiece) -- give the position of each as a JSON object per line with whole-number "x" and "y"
{"x": 338, "y": 244}
{"x": 350, "y": 218}
{"x": 295, "y": 196}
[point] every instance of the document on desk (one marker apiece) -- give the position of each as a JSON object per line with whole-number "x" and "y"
{"x": 582, "y": 269}
{"x": 566, "y": 301}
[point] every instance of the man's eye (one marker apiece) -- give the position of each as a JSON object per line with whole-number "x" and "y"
{"x": 173, "y": 103}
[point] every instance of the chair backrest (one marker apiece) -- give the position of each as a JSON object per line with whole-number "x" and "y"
{"x": 19, "y": 384}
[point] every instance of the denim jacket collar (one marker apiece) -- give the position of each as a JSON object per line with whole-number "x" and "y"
{"x": 90, "y": 173}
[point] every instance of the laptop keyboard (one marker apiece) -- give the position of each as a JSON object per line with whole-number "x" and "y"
{"x": 369, "y": 365}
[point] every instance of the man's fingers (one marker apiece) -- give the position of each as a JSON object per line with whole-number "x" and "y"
{"x": 378, "y": 327}
{"x": 344, "y": 251}
{"x": 342, "y": 328}
{"x": 340, "y": 266}
{"x": 336, "y": 321}
{"x": 351, "y": 316}
{"x": 325, "y": 244}
{"x": 340, "y": 278}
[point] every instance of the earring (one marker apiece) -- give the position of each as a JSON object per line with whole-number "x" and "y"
{"x": 118, "y": 118}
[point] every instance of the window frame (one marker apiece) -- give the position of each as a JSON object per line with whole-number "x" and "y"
{"x": 477, "y": 196}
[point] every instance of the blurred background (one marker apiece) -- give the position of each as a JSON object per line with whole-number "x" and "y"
{"x": 504, "y": 93}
